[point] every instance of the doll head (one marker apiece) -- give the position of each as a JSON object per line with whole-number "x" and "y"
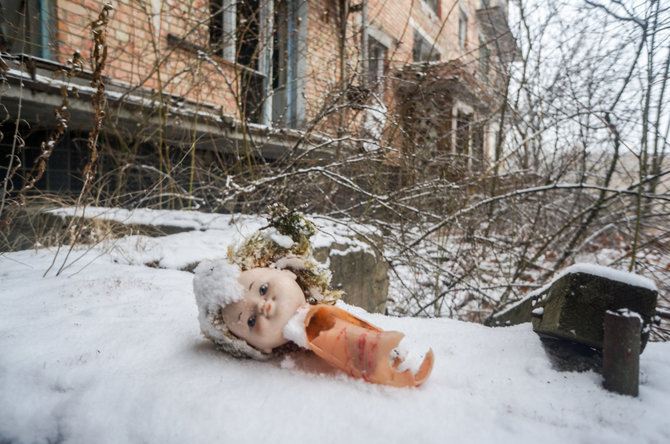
{"x": 245, "y": 312}
{"x": 245, "y": 301}
{"x": 271, "y": 298}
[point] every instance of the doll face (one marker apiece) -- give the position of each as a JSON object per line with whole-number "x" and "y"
{"x": 271, "y": 298}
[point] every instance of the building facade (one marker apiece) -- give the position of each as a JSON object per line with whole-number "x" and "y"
{"x": 263, "y": 73}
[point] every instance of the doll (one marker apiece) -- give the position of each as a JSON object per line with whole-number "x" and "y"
{"x": 270, "y": 293}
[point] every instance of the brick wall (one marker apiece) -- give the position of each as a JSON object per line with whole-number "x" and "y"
{"x": 139, "y": 53}
{"x": 138, "y": 50}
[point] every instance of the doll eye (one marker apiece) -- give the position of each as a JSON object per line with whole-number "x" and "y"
{"x": 263, "y": 289}
{"x": 251, "y": 322}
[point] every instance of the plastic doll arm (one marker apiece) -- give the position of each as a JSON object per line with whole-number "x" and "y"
{"x": 359, "y": 348}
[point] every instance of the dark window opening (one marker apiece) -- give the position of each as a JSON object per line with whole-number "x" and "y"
{"x": 424, "y": 51}
{"x": 239, "y": 32}
{"x": 247, "y": 33}
{"x": 477, "y": 147}
{"x": 463, "y": 133}
{"x": 63, "y": 168}
{"x": 285, "y": 64}
{"x": 216, "y": 28}
{"x": 234, "y": 33}
{"x": 25, "y": 27}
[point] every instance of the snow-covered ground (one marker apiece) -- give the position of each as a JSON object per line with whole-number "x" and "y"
{"x": 110, "y": 351}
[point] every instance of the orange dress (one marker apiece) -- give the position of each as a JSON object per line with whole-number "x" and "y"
{"x": 359, "y": 348}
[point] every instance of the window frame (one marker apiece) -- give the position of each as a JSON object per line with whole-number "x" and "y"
{"x": 375, "y": 77}
{"x": 224, "y": 14}
{"x": 434, "y": 5}
{"x": 462, "y": 28}
{"x": 419, "y": 54}
{"x": 41, "y": 22}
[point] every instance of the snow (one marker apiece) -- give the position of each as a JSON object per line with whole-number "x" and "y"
{"x": 593, "y": 269}
{"x": 272, "y": 234}
{"x": 215, "y": 284}
{"x": 626, "y": 313}
{"x": 173, "y": 218}
{"x": 632, "y": 279}
{"x": 294, "y": 330}
{"x": 111, "y": 351}
{"x": 374, "y": 119}
{"x": 352, "y": 249}
{"x": 411, "y": 353}
{"x": 329, "y": 231}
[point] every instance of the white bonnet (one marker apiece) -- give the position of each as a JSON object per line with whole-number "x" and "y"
{"x": 215, "y": 286}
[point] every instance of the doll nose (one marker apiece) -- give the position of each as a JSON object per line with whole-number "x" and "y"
{"x": 265, "y": 307}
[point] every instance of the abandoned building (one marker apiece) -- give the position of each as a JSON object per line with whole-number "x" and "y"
{"x": 260, "y": 76}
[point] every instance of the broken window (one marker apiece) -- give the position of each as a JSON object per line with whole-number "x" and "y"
{"x": 25, "y": 27}
{"x": 234, "y": 34}
{"x": 247, "y": 48}
{"x": 263, "y": 36}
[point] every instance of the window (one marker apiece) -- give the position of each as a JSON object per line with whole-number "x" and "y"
{"x": 462, "y": 28}
{"x": 484, "y": 61}
{"x": 424, "y": 51}
{"x": 247, "y": 33}
{"x": 234, "y": 30}
{"x": 463, "y": 122}
{"x": 63, "y": 173}
{"x": 25, "y": 27}
{"x": 234, "y": 35}
{"x": 217, "y": 26}
{"x": 376, "y": 65}
{"x": 434, "y": 5}
{"x": 267, "y": 37}
{"x": 468, "y": 140}
{"x": 288, "y": 57}
{"x": 477, "y": 155}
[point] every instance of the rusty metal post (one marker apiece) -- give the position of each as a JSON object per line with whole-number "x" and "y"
{"x": 621, "y": 352}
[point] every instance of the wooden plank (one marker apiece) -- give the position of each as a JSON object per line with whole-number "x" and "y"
{"x": 621, "y": 352}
